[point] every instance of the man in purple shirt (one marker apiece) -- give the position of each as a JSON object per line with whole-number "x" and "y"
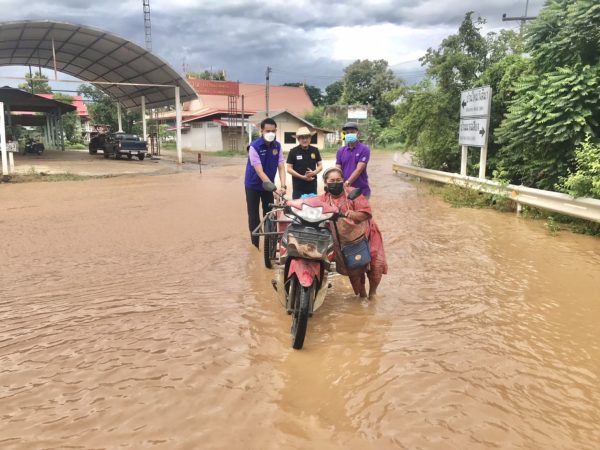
{"x": 353, "y": 158}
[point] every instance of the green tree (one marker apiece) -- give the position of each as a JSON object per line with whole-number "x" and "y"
{"x": 556, "y": 103}
{"x": 584, "y": 181}
{"x": 319, "y": 119}
{"x": 315, "y": 94}
{"x": 366, "y": 83}
{"x": 428, "y": 113}
{"x": 333, "y": 93}
{"x": 460, "y": 58}
{"x": 219, "y": 75}
{"x": 37, "y": 83}
{"x": 71, "y": 120}
{"x": 103, "y": 110}
{"x": 428, "y": 119}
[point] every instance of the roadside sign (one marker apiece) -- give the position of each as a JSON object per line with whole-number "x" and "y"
{"x": 357, "y": 112}
{"x": 473, "y": 132}
{"x": 475, "y": 102}
{"x": 475, "y": 109}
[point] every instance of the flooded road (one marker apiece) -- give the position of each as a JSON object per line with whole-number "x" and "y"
{"x": 134, "y": 313}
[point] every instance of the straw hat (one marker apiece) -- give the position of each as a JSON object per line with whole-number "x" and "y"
{"x": 304, "y": 131}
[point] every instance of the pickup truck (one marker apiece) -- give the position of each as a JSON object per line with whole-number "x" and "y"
{"x": 119, "y": 144}
{"x": 128, "y": 145}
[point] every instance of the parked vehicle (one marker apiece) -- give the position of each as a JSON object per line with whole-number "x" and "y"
{"x": 117, "y": 145}
{"x": 129, "y": 145}
{"x": 305, "y": 258}
{"x": 100, "y": 140}
{"x": 32, "y": 146}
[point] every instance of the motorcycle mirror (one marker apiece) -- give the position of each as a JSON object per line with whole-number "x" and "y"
{"x": 268, "y": 186}
{"x": 355, "y": 193}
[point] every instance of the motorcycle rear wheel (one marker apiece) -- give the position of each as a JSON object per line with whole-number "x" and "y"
{"x": 301, "y": 312}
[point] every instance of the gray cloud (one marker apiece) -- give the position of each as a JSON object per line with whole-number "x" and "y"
{"x": 244, "y": 37}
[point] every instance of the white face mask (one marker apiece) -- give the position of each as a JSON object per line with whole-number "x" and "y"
{"x": 269, "y": 136}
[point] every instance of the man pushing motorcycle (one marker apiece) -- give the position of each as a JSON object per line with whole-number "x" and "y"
{"x": 265, "y": 159}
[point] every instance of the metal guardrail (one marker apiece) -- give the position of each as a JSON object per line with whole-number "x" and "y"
{"x": 583, "y": 208}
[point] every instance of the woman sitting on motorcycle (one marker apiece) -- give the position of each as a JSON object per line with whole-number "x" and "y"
{"x": 356, "y": 223}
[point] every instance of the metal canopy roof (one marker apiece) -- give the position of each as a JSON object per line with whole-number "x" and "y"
{"x": 92, "y": 55}
{"x": 19, "y": 100}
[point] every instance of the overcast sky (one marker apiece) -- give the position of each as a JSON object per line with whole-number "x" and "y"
{"x": 309, "y": 41}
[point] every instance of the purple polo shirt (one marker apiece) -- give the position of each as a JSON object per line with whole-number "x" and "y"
{"x": 349, "y": 158}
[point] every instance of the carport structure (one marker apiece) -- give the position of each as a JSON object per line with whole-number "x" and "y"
{"x": 16, "y": 100}
{"x": 133, "y": 76}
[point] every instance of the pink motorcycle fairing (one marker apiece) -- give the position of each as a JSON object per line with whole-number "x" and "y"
{"x": 306, "y": 270}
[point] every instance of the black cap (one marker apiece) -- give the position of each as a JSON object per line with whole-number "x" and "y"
{"x": 350, "y": 125}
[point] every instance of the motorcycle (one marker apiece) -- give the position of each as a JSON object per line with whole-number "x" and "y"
{"x": 32, "y": 146}
{"x": 306, "y": 258}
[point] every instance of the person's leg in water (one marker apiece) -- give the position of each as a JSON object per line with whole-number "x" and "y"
{"x": 374, "y": 280}
{"x": 358, "y": 281}
{"x": 252, "y": 205}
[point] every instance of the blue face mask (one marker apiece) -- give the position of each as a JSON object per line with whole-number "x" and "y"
{"x": 350, "y": 138}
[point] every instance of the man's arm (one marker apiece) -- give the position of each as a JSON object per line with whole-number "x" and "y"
{"x": 338, "y": 160}
{"x": 281, "y": 169}
{"x": 261, "y": 173}
{"x": 360, "y": 167}
{"x": 311, "y": 174}
{"x": 319, "y": 168}
{"x": 292, "y": 172}
{"x": 256, "y": 164}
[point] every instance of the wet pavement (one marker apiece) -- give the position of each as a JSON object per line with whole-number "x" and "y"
{"x": 134, "y": 313}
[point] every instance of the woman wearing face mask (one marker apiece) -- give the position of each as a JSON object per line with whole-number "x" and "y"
{"x": 356, "y": 223}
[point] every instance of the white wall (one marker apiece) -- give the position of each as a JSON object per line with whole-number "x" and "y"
{"x": 202, "y": 136}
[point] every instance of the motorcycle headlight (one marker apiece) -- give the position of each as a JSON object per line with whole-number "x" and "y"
{"x": 312, "y": 213}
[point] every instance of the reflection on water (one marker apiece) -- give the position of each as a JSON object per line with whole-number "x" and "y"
{"x": 134, "y": 313}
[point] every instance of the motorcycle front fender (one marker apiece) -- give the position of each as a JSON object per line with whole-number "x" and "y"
{"x": 321, "y": 293}
{"x": 281, "y": 293}
{"x": 306, "y": 270}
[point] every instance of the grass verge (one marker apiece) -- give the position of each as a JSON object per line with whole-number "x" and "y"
{"x": 459, "y": 197}
{"x": 35, "y": 177}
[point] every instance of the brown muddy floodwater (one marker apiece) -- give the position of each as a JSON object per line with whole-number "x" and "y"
{"x": 134, "y": 314}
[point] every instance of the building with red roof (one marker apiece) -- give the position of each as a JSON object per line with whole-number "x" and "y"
{"x": 213, "y": 121}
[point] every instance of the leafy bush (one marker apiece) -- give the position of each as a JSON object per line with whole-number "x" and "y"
{"x": 585, "y": 180}
{"x": 390, "y": 136}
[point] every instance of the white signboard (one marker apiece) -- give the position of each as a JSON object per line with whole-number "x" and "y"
{"x": 473, "y": 132}
{"x": 476, "y": 102}
{"x": 357, "y": 112}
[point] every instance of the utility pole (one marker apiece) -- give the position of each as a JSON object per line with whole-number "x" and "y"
{"x": 267, "y": 90}
{"x": 523, "y": 18}
{"x": 243, "y": 141}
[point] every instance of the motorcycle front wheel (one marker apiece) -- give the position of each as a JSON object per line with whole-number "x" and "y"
{"x": 301, "y": 312}
{"x": 270, "y": 242}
